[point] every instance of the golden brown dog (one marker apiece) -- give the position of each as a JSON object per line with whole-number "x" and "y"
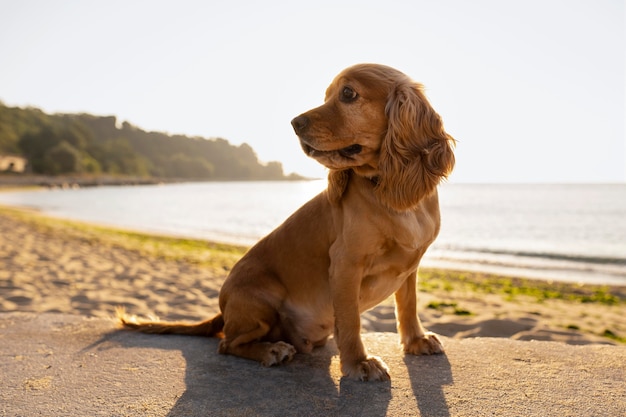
{"x": 353, "y": 245}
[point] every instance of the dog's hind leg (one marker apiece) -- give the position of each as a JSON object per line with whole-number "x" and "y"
{"x": 252, "y": 330}
{"x": 250, "y": 345}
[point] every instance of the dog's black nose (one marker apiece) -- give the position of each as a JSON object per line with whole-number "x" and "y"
{"x": 299, "y": 124}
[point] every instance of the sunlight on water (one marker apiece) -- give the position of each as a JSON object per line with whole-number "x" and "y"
{"x": 561, "y": 232}
{"x": 232, "y": 212}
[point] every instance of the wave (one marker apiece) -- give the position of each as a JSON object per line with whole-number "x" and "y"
{"x": 543, "y": 265}
{"x": 554, "y": 256}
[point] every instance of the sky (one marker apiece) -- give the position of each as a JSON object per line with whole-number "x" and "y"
{"x": 533, "y": 90}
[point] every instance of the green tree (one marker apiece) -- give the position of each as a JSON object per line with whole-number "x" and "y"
{"x": 118, "y": 157}
{"x": 62, "y": 158}
{"x": 183, "y": 166}
{"x": 34, "y": 146}
{"x": 90, "y": 165}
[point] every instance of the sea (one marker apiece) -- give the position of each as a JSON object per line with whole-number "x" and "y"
{"x": 572, "y": 233}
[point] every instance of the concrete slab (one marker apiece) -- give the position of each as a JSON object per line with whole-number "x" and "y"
{"x": 64, "y": 365}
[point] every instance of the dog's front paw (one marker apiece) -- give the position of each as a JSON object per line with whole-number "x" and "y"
{"x": 278, "y": 353}
{"x": 429, "y": 344}
{"x": 371, "y": 369}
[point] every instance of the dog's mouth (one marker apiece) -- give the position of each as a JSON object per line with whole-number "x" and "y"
{"x": 347, "y": 152}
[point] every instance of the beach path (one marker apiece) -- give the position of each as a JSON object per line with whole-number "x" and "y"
{"x": 57, "y": 364}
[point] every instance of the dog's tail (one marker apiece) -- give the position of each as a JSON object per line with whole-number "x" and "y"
{"x": 210, "y": 328}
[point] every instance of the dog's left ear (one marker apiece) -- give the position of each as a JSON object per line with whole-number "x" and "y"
{"x": 416, "y": 152}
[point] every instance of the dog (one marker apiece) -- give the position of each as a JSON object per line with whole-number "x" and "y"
{"x": 350, "y": 247}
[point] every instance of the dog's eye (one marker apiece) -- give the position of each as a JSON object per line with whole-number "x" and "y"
{"x": 348, "y": 95}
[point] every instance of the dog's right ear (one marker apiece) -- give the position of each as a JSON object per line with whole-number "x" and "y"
{"x": 337, "y": 184}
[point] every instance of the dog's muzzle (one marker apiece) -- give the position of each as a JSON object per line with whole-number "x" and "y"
{"x": 300, "y": 125}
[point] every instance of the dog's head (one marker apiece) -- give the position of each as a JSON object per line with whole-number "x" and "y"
{"x": 377, "y": 123}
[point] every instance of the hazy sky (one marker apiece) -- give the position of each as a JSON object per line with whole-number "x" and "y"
{"x": 533, "y": 90}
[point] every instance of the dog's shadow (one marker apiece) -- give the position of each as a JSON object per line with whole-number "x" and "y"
{"x": 220, "y": 385}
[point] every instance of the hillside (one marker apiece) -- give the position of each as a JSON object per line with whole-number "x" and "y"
{"x": 62, "y": 144}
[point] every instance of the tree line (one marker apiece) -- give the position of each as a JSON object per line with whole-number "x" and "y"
{"x": 86, "y": 144}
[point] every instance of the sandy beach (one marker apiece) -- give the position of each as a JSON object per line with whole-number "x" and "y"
{"x": 55, "y": 266}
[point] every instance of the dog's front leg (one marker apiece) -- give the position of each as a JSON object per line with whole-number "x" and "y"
{"x": 415, "y": 339}
{"x": 355, "y": 363}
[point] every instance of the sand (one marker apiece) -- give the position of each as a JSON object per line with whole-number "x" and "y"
{"x": 49, "y": 270}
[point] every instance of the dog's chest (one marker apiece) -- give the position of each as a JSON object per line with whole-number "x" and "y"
{"x": 398, "y": 257}
{"x": 411, "y": 231}
{"x": 385, "y": 274}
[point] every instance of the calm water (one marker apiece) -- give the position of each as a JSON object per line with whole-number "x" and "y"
{"x": 561, "y": 232}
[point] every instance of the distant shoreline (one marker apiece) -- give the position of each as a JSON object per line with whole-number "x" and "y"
{"x": 72, "y": 181}
{"x": 77, "y": 181}
{"x": 242, "y": 212}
